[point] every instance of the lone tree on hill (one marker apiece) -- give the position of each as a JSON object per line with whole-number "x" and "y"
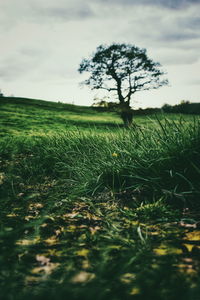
{"x": 124, "y": 69}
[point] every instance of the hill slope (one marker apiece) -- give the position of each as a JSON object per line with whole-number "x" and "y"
{"x": 37, "y": 117}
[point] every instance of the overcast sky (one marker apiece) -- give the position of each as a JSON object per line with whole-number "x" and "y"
{"x": 43, "y": 42}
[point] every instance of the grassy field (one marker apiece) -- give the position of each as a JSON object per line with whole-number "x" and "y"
{"x": 92, "y": 210}
{"x": 37, "y": 117}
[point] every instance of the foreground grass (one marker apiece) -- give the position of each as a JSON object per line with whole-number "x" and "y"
{"x": 111, "y": 216}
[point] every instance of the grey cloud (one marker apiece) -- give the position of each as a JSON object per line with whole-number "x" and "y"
{"x": 11, "y": 70}
{"x": 179, "y": 36}
{"x": 80, "y": 12}
{"x": 172, "y": 4}
{"x": 191, "y": 23}
{"x": 35, "y": 64}
{"x": 170, "y": 37}
{"x": 160, "y": 28}
{"x": 62, "y": 13}
{"x": 32, "y": 52}
{"x": 14, "y": 12}
{"x": 153, "y": 25}
{"x": 22, "y": 63}
{"x": 156, "y": 29}
{"x": 177, "y": 56}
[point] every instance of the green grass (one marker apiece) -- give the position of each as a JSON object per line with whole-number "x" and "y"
{"x": 20, "y": 116}
{"x": 91, "y": 210}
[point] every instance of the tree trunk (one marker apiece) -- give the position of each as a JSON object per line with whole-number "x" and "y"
{"x": 126, "y": 114}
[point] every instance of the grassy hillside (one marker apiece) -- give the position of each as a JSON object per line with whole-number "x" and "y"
{"x": 21, "y": 116}
{"x": 37, "y": 117}
{"x": 97, "y": 211}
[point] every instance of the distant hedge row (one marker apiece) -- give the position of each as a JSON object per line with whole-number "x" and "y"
{"x": 185, "y": 107}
